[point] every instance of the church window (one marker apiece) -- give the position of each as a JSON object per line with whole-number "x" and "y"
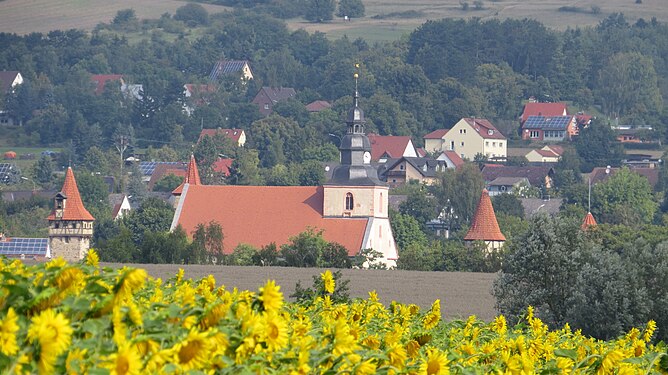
{"x": 380, "y": 209}
{"x": 349, "y": 201}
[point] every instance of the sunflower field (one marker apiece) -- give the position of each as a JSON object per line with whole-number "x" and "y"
{"x": 59, "y": 317}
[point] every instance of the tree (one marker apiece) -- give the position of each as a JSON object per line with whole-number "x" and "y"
{"x": 597, "y": 145}
{"x": 624, "y": 198}
{"x": 94, "y": 193}
{"x": 245, "y": 169}
{"x": 207, "y": 244}
{"x": 153, "y": 215}
{"x": 136, "y": 187}
{"x": 407, "y": 231}
{"x": 168, "y": 183}
{"x": 351, "y": 8}
{"x": 43, "y": 170}
{"x": 319, "y": 10}
{"x": 124, "y": 16}
{"x": 192, "y": 14}
{"x": 459, "y": 190}
{"x": 311, "y": 173}
{"x": 508, "y": 204}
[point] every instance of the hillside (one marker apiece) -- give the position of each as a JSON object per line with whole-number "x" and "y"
{"x": 23, "y": 17}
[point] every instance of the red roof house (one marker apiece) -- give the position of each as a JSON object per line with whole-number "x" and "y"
{"x": 73, "y": 209}
{"x": 543, "y": 109}
{"x": 451, "y": 158}
{"x": 484, "y": 226}
{"x": 267, "y": 97}
{"x": 237, "y": 135}
{"x": 100, "y": 80}
{"x": 318, "y": 105}
{"x": 222, "y": 166}
{"x": 391, "y": 146}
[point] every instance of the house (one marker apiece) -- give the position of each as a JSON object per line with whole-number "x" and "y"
{"x": 484, "y": 226}
{"x": 222, "y": 166}
{"x": 236, "y": 135}
{"x": 510, "y": 185}
{"x": 472, "y": 136}
{"x": 225, "y": 67}
{"x": 397, "y": 172}
{"x": 635, "y": 134}
{"x": 351, "y": 208}
{"x": 641, "y": 161}
{"x": 267, "y": 97}
{"x": 549, "y": 128}
{"x": 147, "y": 168}
{"x": 537, "y": 176}
{"x": 601, "y": 174}
{"x": 9, "y": 80}
{"x": 70, "y": 224}
{"x": 21, "y": 195}
{"x": 197, "y": 95}
{"x": 543, "y": 109}
{"x": 120, "y": 205}
{"x": 451, "y": 159}
{"x": 547, "y": 154}
{"x": 385, "y": 147}
{"x": 24, "y": 248}
{"x": 435, "y": 141}
{"x": 163, "y": 170}
{"x": 318, "y": 105}
{"x": 101, "y": 80}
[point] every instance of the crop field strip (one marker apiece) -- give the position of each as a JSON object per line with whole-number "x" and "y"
{"x": 461, "y": 293}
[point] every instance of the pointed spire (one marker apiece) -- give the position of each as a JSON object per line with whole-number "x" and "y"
{"x": 484, "y": 226}
{"x": 73, "y": 208}
{"x": 192, "y": 176}
{"x": 355, "y": 118}
{"x": 588, "y": 221}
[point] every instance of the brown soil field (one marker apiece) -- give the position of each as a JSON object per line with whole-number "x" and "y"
{"x": 25, "y": 16}
{"x": 461, "y": 293}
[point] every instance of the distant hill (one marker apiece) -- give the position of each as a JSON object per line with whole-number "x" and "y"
{"x": 385, "y": 19}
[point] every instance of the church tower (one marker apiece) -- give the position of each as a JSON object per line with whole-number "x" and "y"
{"x": 70, "y": 224}
{"x": 192, "y": 178}
{"x": 354, "y": 191}
{"x": 484, "y": 226}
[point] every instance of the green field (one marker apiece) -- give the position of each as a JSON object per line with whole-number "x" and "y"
{"x": 22, "y": 16}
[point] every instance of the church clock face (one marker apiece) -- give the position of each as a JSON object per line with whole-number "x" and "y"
{"x": 367, "y": 157}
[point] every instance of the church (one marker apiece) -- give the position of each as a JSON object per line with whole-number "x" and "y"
{"x": 351, "y": 209}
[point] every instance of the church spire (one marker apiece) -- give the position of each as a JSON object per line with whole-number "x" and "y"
{"x": 355, "y": 118}
{"x": 192, "y": 176}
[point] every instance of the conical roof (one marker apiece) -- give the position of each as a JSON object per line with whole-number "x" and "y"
{"x": 192, "y": 176}
{"x": 74, "y": 208}
{"x": 484, "y": 226}
{"x": 588, "y": 221}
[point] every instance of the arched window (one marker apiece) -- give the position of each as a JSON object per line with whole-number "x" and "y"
{"x": 349, "y": 201}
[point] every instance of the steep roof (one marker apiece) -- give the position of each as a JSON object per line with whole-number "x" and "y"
{"x": 484, "y": 226}
{"x": 486, "y": 129}
{"x": 100, "y": 80}
{"x": 6, "y": 80}
{"x": 233, "y": 134}
{"x": 454, "y": 158}
{"x": 222, "y": 166}
{"x": 588, "y": 221}
{"x": 192, "y": 176}
{"x": 535, "y": 174}
{"x": 543, "y": 109}
{"x": 259, "y": 215}
{"x": 436, "y": 134}
{"x": 318, "y": 105}
{"x": 74, "y": 208}
{"x": 227, "y": 67}
{"x": 162, "y": 170}
{"x": 393, "y": 146}
{"x": 276, "y": 94}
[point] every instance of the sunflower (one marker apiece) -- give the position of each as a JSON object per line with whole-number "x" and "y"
{"x": 397, "y": 356}
{"x": 131, "y": 281}
{"x": 8, "y": 328}
{"x": 365, "y": 368}
{"x": 193, "y": 352}
{"x": 271, "y": 297}
{"x": 126, "y": 361}
{"x": 74, "y": 362}
{"x": 328, "y": 281}
{"x": 431, "y": 320}
{"x": 344, "y": 341}
{"x": 54, "y": 334}
{"x": 276, "y": 332}
{"x": 92, "y": 259}
{"x": 436, "y": 363}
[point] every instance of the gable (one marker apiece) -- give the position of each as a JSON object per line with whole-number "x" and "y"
{"x": 543, "y": 109}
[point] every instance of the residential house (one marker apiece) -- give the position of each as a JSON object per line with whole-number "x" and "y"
{"x": 601, "y": 174}
{"x": 635, "y": 134}
{"x": 120, "y": 205}
{"x": 318, "y": 105}
{"x": 24, "y": 248}
{"x": 397, "y": 172}
{"x": 384, "y": 147}
{"x": 472, "y": 136}
{"x": 238, "y": 136}
{"x": 147, "y": 168}
{"x": 225, "y": 67}
{"x": 451, "y": 159}
{"x": 549, "y": 128}
{"x": 351, "y": 208}
{"x": 510, "y": 185}
{"x": 101, "y": 80}
{"x": 543, "y": 109}
{"x": 197, "y": 95}
{"x": 547, "y": 154}
{"x": 435, "y": 141}
{"x": 537, "y": 176}
{"x": 9, "y": 80}
{"x": 267, "y": 97}
{"x": 641, "y": 161}
{"x": 484, "y": 226}
{"x": 163, "y": 170}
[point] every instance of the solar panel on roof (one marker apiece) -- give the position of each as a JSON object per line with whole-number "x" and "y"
{"x": 148, "y": 167}
{"x": 543, "y": 122}
{"x": 25, "y": 246}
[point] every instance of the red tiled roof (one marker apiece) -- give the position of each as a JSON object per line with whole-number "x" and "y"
{"x": 421, "y": 152}
{"x": 259, "y": 215}
{"x": 543, "y": 109}
{"x": 222, "y": 166}
{"x": 392, "y": 146}
{"x": 588, "y": 221}
{"x": 233, "y": 134}
{"x": 547, "y": 153}
{"x": 454, "y": 158}
{"x": 191, "y": 177}
{"x": 318, "y": 105}
{"x": 101, "y": 80}
{"x": 583, "y": 119}
{"x": 74, "y": 208}
{"x": 559, "y": 150}
{"x": 436, "y": 134}
{"x": 484, "y": 226}
{"x": 200, "y": 88}
{"x": 484, "y": 128}
{"x": 162, "y": 170}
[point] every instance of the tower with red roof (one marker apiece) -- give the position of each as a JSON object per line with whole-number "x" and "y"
{"x": 484, "y": 226}
{"x": 192, "y": 178}
{"x": 70, "y": 224}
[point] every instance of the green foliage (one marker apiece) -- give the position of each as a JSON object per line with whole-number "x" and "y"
{"x": 125, "y": 16}
{"x": 406, "y": 230}
{"x": 207, "y": 245}
{"x": 192, "y": 14}
{"x": 319, "y": 10}
{"x": 153, "y": 215}
{"x": 245, "y": 169}
{"x": 419, "y": 206}
{"x": 508, "y": 204}
{"x": 137, "y": 189}
{"x": 624, "y": 198}
{"x": 309, "y": 249}
{"x": 351, "y": 8}
{"x": 459, "y": 190}
{"x": 597, "y": 146}
{"x": 311, "y": 173}
{"x": 94, "y": 193}
{"x": 317, "y": 289}
{"x": 168, "y": 183}
{"x": 242, "y": 255}
{"x": 43, "y": 170}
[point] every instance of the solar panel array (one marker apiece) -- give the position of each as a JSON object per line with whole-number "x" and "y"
{"x": 147, "y": 167}
{"x": 6, "y": 167}
{"x": 543, "y": 122}
{"x": 25, "y": 246}
{"x": 225, "y": 67}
